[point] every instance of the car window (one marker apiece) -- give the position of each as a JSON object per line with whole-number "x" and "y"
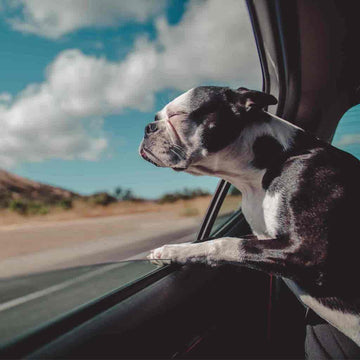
{"x": 29, "y": 303}
{"x": 347, "y": 134}
{"x": 230, "y": 208}
{"x": 79, "y": 83}
{"x": 75, "y": 96}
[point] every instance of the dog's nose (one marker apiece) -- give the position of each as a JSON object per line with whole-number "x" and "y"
{"x": 151, "y": 128}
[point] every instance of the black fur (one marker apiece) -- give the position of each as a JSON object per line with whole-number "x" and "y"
{"x": 319, "y": 187}
{"x": 227, "y": 110}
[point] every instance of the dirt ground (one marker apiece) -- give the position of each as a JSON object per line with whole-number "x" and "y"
{"x": 81, "y": 210}
{"x": 92, "y": 234}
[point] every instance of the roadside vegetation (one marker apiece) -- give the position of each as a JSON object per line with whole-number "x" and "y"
{"x": 25, "y": 201}
{"x": 15, "y": 208}
{"x": 186, "y": 194}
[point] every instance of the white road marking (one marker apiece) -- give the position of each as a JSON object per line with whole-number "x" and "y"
{"x": 37, "y": 294}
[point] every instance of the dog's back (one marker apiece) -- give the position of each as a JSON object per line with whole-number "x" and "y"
{"x": 319, "y": 187}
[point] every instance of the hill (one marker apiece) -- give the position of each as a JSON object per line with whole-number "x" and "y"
{"x": 14, "y": 187}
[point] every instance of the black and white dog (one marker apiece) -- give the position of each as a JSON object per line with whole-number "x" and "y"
{"x": 299, "y": 195}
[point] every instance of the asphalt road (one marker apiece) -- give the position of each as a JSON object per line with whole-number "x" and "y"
{"x": 36, "y": 248}
{"x": 30, "y": 302}
{"x": 48, "y": 270}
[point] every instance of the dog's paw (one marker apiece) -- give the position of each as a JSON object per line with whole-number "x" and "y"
{"x": 160, "y": 256}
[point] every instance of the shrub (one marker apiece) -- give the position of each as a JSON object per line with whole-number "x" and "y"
{"x": 168, "y": 198}
{"x": 66, "y": 204}
{"x": 24, "y": 207}
{"x": 35, "y": 208}
{"x": 4, "y": 203}
{"x": 185, "y": 194}
{"x": 124, "y": 194}
{"x": 19, "y": 206}
{"x": 103, "y": 199}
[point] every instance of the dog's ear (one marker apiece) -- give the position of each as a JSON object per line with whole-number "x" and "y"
{"x": 252, "y": 99}
{"x": 257, "y": 99}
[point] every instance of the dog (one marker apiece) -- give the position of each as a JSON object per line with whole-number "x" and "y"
{"x": 300, "y": 195}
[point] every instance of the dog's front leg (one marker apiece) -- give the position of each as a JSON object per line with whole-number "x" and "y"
{"x": 274, "y": 256}
{"x": 210, "y": 252}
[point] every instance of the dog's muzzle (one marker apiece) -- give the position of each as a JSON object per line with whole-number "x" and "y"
{"x": 175, "y": 147}
{"x": 150, "y": 157}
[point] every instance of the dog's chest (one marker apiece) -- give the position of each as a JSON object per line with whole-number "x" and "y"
{"x": 261, "y": 210}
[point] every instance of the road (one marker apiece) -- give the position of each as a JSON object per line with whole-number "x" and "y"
{"x": 35, "y": 248}
{"x": 27, "y": 302}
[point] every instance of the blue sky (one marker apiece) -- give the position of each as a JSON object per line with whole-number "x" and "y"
{"x": 347, "y": 135}
{"x": 79, "y": 81}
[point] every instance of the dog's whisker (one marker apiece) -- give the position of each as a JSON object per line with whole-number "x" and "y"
{"x": 180, "y": 151}
{"x": 179, "y": 148}
{"x": 177, "y": 153}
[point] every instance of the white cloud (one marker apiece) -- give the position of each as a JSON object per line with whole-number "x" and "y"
{"x": 213, "y": 43}
{"x": 35, "y": 128}
{"x": 53, "y": 19}
{"x": 5, "y": 97}
{"x": 348, "y": 139}
{"x": 203, "y": 47}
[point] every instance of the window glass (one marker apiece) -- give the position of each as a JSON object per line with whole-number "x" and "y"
{"x": 229, "y": 208}
{"x": 79, "y": 82}
{"x": 347, "y": 135}
{"x": 72, "y": 289}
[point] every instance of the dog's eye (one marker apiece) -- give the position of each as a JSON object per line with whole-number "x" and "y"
{"x": 175, "y": 114}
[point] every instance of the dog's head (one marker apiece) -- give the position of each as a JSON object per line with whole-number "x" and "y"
{"x": 198, "y": 123}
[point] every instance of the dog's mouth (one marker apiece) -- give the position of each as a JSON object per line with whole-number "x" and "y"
{"x": 151, "y": 158}
{"x": 178, "y": 168}
{"x": 147, "y": 155}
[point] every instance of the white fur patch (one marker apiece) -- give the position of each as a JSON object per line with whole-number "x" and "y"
{"x": 271, "y": 206}
{"x": 252, "y": 199}
{"x": 181, "y": 103}
{"x": 347, "y": 323}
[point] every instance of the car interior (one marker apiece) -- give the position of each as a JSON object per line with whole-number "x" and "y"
{"x": 309, "y": 61}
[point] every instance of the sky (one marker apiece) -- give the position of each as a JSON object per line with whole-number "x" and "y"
{"x": 79, "y": 80}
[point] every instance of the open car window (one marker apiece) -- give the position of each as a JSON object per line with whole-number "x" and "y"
{"x": 75, "y": 196}
{"x": 73, "y": 189}
{"x": 31, "y": 303}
